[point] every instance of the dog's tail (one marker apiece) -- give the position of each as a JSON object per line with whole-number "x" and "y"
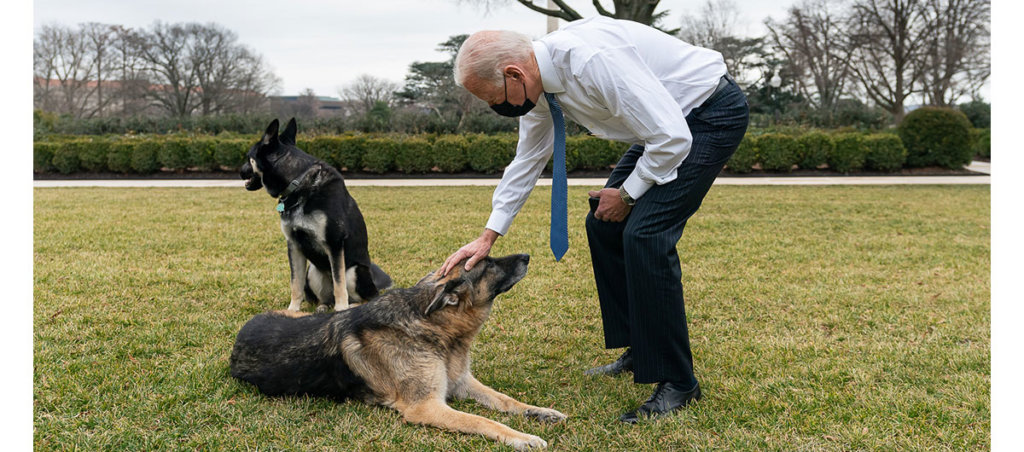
{"x": 380, "y": 279}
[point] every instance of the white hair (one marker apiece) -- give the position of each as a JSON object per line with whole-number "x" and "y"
{"x": 485, "y": 53}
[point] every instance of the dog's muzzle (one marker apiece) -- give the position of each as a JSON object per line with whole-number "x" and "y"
{"x": 252, "y": 180}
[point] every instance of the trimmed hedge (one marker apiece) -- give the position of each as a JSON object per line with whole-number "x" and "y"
{"x": 144, "y": 159}
{"x": 65, "y": 158}
{"x": 230, "y": 154}
{"x": 174, "y": 154}
{"x": 491, "y": 153}
{"x": 380, "y": 155}
{"x": 777, "y": 152}
{"x": 418, "y": 154}
{"x": 451, "y": 153}
{"x": 814, "y": 148}
{"x": 849, "y": 154}
{"x": 937, "y": 136}
{"x": 42, "y": 156}
{"x": 745, "y": 157}
{"x": 119, "y": 157}
{"x": 322, "y": 147}
{"x": 982, "y": 142}
{"x": 92, "y": 153}
{"x": 414, "y": 155}
{"x": 885, "y": 152}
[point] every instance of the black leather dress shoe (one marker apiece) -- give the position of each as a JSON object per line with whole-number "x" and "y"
{"x": 667, "y": 398}
{"x": 623, "y": 364}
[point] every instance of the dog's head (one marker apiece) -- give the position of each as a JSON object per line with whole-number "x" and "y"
{"x": 476, "y": 288}
{"x": 274, "y": 161}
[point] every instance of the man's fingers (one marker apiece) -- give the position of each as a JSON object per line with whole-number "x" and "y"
{"x": 449, "y": 263}
{"x": 471, "y": 262}
{"x": 593, "y": 194}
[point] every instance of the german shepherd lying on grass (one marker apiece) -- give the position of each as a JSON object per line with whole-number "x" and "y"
{"x": 407, "y": 350}
{"x": 322, "y": 223}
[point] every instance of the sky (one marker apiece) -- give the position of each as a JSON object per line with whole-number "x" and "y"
{"x": 324, "y": 45}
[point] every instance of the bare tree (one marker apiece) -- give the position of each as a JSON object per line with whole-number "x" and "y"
{"x": 813, "y": 39}
{"x": 715, "y": 21}
{"x": 129, "y": 66}
{"x": 642, "y": 11}
{"x": 99, "y": 39}
{"x": 715, "y": 27}
{"x": 62, "y": 69}
{"x": 180, "y": 69}
{"x": 889, "y": 37}
{"x": 213, "y": 58}
{"x": 165, "y": 51}
{"x": 366, "y": 91}
{"x": 202, "y": 68}
{"x": 956, "y": 53}
{"x": 253, "y": 82}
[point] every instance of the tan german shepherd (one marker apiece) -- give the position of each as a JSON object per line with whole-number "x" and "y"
{"x": 408, "y": 350}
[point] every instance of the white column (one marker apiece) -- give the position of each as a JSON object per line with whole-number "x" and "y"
{"x": 552, "y": 20}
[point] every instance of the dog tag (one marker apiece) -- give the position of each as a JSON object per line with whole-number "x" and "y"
{"x": 280, "y": 207}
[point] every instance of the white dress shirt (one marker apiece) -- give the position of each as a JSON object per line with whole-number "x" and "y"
{"x": 621, "y": 80}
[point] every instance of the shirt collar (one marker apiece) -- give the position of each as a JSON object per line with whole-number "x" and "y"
{"x": 548, "y": 77}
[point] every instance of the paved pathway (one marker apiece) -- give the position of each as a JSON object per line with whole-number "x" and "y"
{"x": 981, "y": 167}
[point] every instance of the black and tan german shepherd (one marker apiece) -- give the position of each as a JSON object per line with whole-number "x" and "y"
{"x": 320, "y": 220}
{"x": 407, "y": 350}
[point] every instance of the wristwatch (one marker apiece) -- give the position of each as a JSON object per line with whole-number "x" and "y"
{"x": 625, "y": 197}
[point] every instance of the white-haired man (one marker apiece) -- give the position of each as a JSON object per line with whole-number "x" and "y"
{"x": 684, "y": 117}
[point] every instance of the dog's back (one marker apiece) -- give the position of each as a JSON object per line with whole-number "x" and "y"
{"x": 284, "y": 354}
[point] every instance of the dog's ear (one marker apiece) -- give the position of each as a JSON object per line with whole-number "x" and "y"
{"x": 444, "y": 296}
{"x": 288, "y": 136}
{"x": 270, "y": 136}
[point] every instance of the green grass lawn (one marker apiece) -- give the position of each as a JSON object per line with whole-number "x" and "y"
{"x": 821, "y": 318}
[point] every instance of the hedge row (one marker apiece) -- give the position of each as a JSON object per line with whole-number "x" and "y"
{"x": 843, "y": 152}
{"x": 375, "y": 154}
{"x": 419, "y": 154}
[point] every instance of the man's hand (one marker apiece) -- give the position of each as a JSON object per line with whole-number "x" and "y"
{"x": 475, "y": 251}
{"x": 611, "y": 208}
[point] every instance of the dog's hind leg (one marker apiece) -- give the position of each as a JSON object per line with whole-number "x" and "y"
{"x": 435, "y": 412}
{"x": 338, "y": 277}
{"x": 469, "y": 387}
{"x": 297, "y": 263}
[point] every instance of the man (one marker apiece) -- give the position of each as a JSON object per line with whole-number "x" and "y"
{"x": 684, "y": 117}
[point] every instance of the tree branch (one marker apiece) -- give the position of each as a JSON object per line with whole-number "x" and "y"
{"x": 559, "y": 13}
{"x": 601, "y": 10}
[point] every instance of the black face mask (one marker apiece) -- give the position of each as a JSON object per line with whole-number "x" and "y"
{"x": 512, "y": 111}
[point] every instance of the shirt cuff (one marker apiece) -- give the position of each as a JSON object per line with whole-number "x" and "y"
{"x": 635, "y": 186}
{"x": 499, "y": 222}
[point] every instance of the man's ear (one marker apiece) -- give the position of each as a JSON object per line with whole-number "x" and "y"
{"x": 513, "y": 72}
{"x": 444, "y": 296}
{"x": 270, "y": 136}
{"x": 288, "y": 136}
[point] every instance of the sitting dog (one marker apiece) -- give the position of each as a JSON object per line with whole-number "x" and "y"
{"x": 407, "y": 350}
{"x": 321, "y": 222}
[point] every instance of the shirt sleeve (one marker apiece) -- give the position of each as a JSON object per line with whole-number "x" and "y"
{"x": 536, "y": 138}
{"x": 619, "y": 79}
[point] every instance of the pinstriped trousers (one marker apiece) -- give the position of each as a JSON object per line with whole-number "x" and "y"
{"x": 636, "y": 265}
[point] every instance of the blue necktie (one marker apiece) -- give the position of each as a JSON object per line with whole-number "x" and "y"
{"x": 559, "y": 184}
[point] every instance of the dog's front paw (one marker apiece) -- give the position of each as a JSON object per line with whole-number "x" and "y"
{"x": 545, "y": 414}
{"x": 320, "y": 309}
{"x": 527, "y": 442}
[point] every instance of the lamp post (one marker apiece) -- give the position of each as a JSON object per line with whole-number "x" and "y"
{"x": 774, "y": 83}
